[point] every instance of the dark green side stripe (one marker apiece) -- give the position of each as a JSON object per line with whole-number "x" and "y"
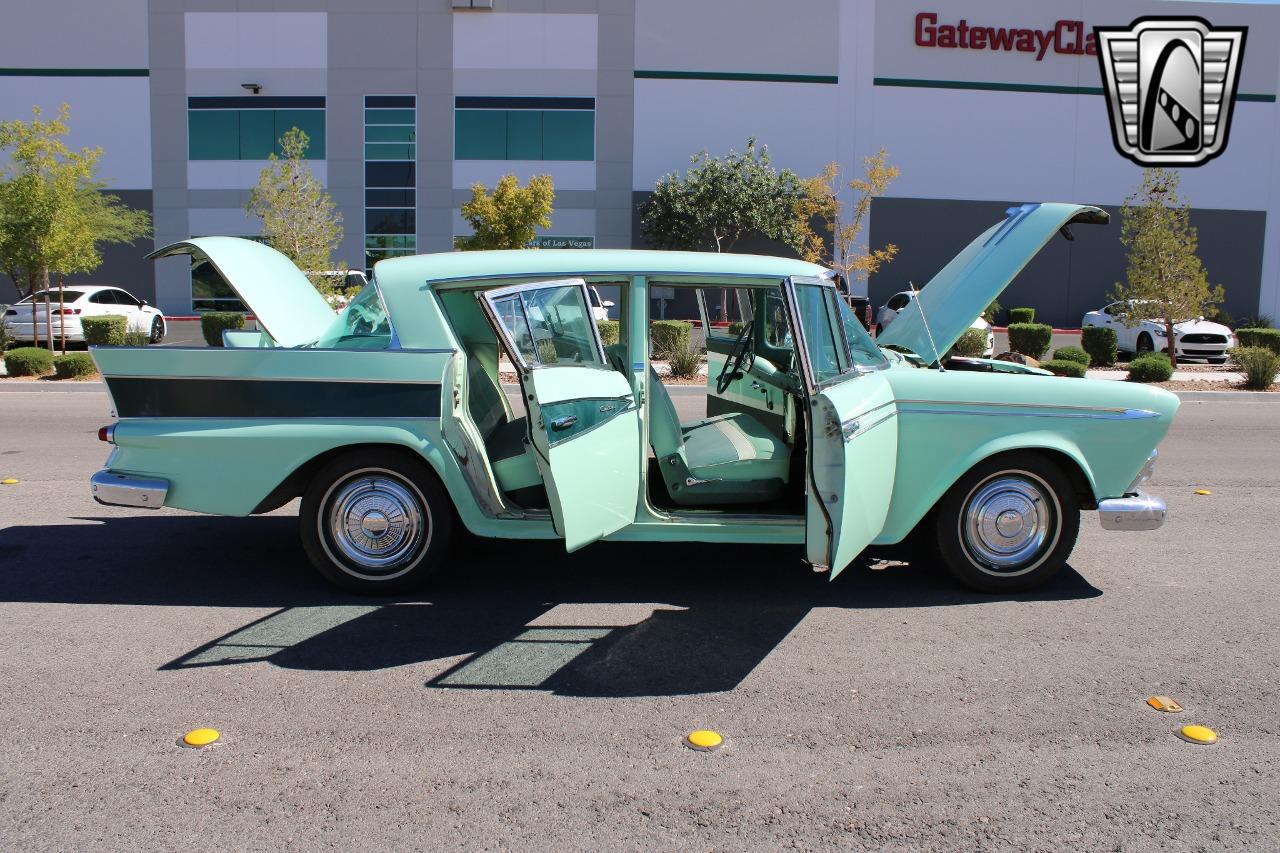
{"x": 1020, "y": 87}
{"x": 213, "y": 397}
{"x": 75, "y": 72}
{"x": 738, "y": 76}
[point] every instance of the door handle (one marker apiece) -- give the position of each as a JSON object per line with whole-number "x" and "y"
{"x": 564, "y": 423}
{"x": 756, "y": 386}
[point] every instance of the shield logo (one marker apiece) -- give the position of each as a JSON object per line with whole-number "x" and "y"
{"x": 1171, "y": 86}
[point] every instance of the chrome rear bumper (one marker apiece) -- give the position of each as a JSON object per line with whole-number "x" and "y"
{"x": 1136, "y": 512}
{"x": 126, "y": 490}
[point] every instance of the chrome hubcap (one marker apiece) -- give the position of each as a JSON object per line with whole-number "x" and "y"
{"x": 1007, "y": 522}
{"x": 377, "y": 523}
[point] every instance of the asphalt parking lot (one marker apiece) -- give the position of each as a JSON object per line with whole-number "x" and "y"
{"x": 534, "y": 700}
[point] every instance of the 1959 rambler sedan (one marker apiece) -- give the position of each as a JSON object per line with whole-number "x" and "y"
{"x": 391, "y": 422}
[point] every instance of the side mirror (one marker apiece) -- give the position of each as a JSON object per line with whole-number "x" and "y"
{"x": 607, "y": 303}
{"x": 143, "y": 302}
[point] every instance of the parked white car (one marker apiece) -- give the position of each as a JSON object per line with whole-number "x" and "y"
{"x": 599, "y": 307}
{"x": 1195, "y": 339}
{"x": 894, "y": 305}
{"x": 26, "y": 322}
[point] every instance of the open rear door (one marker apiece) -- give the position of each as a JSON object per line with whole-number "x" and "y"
{"x": 583, "y": 421}
{"x": 852, "y": 427}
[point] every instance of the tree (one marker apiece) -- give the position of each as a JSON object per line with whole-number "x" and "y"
{"x": 55, "y": 214}
{"x": 822, "y": 205}
{"x": 720, "y": 200}
{"x": 1165, "y": 279}
{"x": 508, "y": 218}
{"x": 299, "y": 218}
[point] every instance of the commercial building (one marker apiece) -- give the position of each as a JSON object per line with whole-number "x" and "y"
{"x": 981, "y": 103}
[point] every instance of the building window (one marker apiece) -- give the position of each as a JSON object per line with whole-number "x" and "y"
{"x": 524, "y": 129}
{"x": 390, "y": 186}
{"x": 250, "y": 128}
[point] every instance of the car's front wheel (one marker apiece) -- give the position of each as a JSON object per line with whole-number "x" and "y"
{"x": 1145, "y": 344}
{"x": 157, "y": 330}
{"x": 376, "y": 522}
{"x": 1009, "y": 524}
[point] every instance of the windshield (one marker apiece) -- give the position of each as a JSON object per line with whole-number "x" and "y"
{"x": 363, "y": 324}
{"x": 862, "y": 349}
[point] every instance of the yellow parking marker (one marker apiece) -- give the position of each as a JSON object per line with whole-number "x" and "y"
{"x": 9, "y": 481}
{"x": 197, "y": 738}
{"x": 1164, "y": 703}
{"x": 1203, "y": 492}
{"x": 704, "y": 740}
{"x": 1202, "y": 735}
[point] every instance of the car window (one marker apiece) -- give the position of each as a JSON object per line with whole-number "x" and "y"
{"x": 898, "y": 302}
{"x": 103, "y": 297}
{"x": 823, "y": 342}
{"x": 725, "y": 310}
{"x": 363, "y": 324}
{"x": 862, "y": 349}
{"x": 123, "y": 298}
{"x": 777, "y": 333}
{"x": 549, "y": 325}
{"x": 54, "y": 296}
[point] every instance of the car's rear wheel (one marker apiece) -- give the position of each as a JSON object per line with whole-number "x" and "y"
{"x": 1145, "y": 344}
{"x": 376, "y": 522}
{"x": 157, "y": 330}
{"x": 1009, "y": 524}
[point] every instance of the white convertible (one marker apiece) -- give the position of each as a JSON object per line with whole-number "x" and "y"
{"x": 1194, "y": 339}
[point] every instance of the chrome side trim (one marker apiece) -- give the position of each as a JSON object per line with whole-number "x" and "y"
{"x": 127, "y": 490}
{"x": 1011, "y": 410}
{"x": 854, "y": 427}
{"x": 272, "y": 378}
{"x": 179, "y": 348}
{"x": 1136, "y": 512}
{"x": 1003, "y": 405}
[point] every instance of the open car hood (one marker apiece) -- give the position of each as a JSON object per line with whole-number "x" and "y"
{"x": 964, "y": 288}
{"x": 285, "y": 302}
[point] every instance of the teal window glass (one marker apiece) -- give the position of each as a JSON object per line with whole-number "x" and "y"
{"x": 310, "y": 122}
{"x": 480, "y": 135}
{"x": 390, "y": 116}
{"x": 363, "y": 324}
{"x": 568, "y": 135}
{"x": 257, "y": 134}
{"x": 213, "y": 135}
{"x": 388, "y": 151}
{"x": 389, "y": 133}
{"x": 862, "y": 349}
{"x": 524, "y": 135}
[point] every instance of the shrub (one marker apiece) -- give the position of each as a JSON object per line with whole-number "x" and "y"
{"x": 736, "y": 328}
{"x": 1256, "y": 321}
{"x": 1100, "y": 343}
{"x": 684, "y": 362}
{"x": 1031, "y": 339}
{"x": 669, "y": 336}
{"x": 610, "y": 331}
{"x": 1259, "y": 365}
{"x": 1022, "y": 315}
{"x": 137, "y": 339}
{"x": 214, "y": 323}
{"x": 74, "y": 364}
{"x": 1150, "y": 367}
{"x": 105, "y": 331}
{"x": 29, "y": 361}
{"x": 971, "y": 344}
{"x": 1075, "y": 354}
{"x": 1065, "y": 367}
{"x": 1265, "y": 338}
{"x": 993, "y": 311}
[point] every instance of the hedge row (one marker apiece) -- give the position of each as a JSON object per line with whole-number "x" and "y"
{"x": 29, "y": 361}
{"x": 1022, "y": 315}
{"x": 214, "y": 323}
{"x": 73, "y": 365}
{"x": 1268, "y": 338}
{"x": 105, "y": 331}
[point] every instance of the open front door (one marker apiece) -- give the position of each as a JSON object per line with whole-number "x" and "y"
{"x": 583, "y": 421}
{"x": 852, "y": 428}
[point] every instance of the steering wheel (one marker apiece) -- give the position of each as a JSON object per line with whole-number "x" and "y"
{"x": 740, "y": 353}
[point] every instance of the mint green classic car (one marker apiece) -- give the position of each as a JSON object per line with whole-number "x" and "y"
{"x": 390, "y": 420}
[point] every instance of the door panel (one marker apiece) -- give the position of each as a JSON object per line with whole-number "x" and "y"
{"x": 583, "y": 421}
{"x": 853, "y": 435}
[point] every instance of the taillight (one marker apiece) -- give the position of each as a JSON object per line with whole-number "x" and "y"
{"x": 107, "y": 434}
{"x": 66, "y": 310}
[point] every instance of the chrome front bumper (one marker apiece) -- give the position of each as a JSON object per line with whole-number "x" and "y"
{"x": 1136, "y": 512}
{"x": 126, "y": 490}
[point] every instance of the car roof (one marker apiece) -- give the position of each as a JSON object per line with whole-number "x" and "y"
{"x": 86, "y": 289}
{"x": 556, "y": 263}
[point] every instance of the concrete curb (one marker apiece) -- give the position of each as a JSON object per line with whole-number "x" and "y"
{"x": 62, "y": 386}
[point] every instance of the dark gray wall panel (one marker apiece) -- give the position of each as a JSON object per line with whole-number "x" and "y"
{"x": 122, "y": 265}
{"x": 1067, "y": 278}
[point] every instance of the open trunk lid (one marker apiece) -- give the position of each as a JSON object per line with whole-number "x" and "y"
{"x": 964, "y": 288}
{"x": 285, "y": 302}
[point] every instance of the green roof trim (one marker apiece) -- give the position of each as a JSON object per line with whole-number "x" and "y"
{"x": 75, "y": 72}
{"x": 739, "y": 76}
{"x": 911, "y": 83}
